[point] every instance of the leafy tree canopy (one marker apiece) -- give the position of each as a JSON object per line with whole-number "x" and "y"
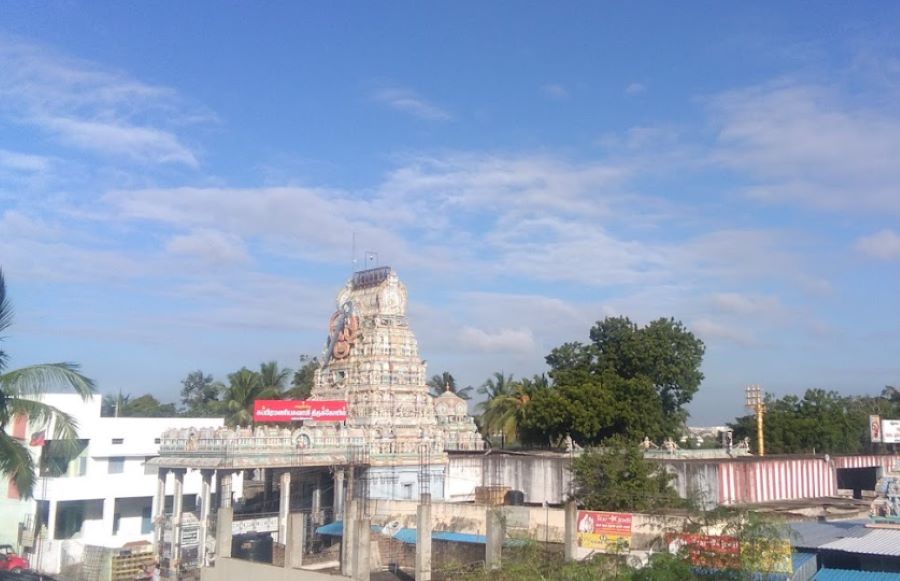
{"x": 820, "y": 421}
{"x": 618, "y": 477}
{"x": 200, "y": 394}
{"x": 304, "y": 378}
{"x": 628, "y": 380}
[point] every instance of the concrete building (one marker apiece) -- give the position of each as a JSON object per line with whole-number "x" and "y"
{"x": 102, "y": 497}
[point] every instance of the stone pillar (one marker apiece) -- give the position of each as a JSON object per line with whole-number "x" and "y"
{"x": 224, "y": 531}
{"x": 177, "y": 509}
{"x": 570, "y": 536}
{"x": 159, "y": 509}
{"x": 51, "y": 519}
{"x": 293, "y": 550}
{"x": 348, "y": 540}
{"x": 496, "y": 533}
{"x": 109, "y": 514}
{"x": 268, "y": 484}
{"x": 423, "y": 539}
{"x": 284, "y": 506}
{"x": 362, "y": 564}
{"x": 224, "y": 483}
{"x": 205, "y": 501}
{"x": 316, "y": 511}
{"x": 338, "y": 494}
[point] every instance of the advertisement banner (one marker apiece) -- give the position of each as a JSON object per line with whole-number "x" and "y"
{"x": 604, "y": 532}
{"x": 726, "y": 552}
{"x": 875, "y": 429}
{"x": 890, "y": 431}
{"x": 708, "y": 551}
{"x": 292, "y": 410}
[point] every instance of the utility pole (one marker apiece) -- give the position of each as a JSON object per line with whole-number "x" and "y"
{"x": 756, "y": 404}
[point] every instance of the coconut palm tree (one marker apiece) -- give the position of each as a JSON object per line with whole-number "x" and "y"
{"x": 18, "y": 388}
{"x": 438, "y": 384}
{"x": 273, "y": 377}
{"x": 245, "y": 387}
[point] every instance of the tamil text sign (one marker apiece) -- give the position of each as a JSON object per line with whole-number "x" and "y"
{"x": 709, "y": 551}
{"x": 291, "y": 410}
{"x": 890, "y": 431}
{"x": 604, "y": 532}
{"x": 726, "y": 552}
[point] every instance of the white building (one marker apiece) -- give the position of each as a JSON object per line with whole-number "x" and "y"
{"x": 103, "y": 496}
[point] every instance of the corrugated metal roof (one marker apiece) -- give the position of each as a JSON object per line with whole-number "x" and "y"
{"x": 798, "y": 559}
{"x": 845, "y": 575}
{"x": 876, "y": 542}
{"x": 408, "y": 536}
{"x": 814, "y": 534}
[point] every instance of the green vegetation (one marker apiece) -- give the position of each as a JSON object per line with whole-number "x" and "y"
{"x": 438, "y": 384}
{"x": 16, "y": 387}
{"x": 629, "y": 380}
{"x": 617, "y": 477}
{"x": 820, "y": 421}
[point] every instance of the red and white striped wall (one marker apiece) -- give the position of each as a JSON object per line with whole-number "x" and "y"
{"x": 778, "y": 478}
{"x": 770, "y": 480}
{"x": 886, "y": 462}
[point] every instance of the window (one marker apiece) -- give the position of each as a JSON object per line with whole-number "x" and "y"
{"x": 157, "y": 440}
{"x": 118, "y": 440}
{"x": 116, "y": 465}
{"x": 407, "y": 490}
{"x": 117, "y": 521}
{"x": 146, "y": 520}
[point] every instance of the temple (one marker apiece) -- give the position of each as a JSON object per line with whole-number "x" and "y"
{"x": 394, "y": 440}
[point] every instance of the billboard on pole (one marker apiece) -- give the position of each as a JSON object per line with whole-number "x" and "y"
{"x": 292, "y": 410}
{"x": 875, "y": 429}
{"x": 890, "y": 431}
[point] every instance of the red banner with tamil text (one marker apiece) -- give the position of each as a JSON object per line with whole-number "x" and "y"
{"x": 292, "y": 410}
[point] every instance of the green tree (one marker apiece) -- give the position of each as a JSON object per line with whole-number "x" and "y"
{"x": 273, "y": 377}
{"x": 438, "y": 384}
{"x": 200, "y": 394}
{"x": 821, "y": 421}
{"x": 111, "y": 404}
{"x": 304, "y": 378}
{"x": 245, "y": 387}
{"x": 629, "y": 380}
{"x": 19, "y": 389}
{"x": 618, "y": 477}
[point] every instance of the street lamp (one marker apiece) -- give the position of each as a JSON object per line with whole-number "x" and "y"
{"x": 756, "y": 404}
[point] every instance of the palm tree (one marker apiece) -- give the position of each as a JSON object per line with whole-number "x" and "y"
{"x": 495, "y": 386}
{"x": 273, "y": 377}
{"x": 245, "y": 387}
{"x": 438, "y": 384}
{"x": 17, "y": 387}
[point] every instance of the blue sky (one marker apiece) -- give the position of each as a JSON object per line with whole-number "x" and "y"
{"x": 180, "y": 183}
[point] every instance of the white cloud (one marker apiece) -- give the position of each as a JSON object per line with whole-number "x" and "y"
{"x": 883, "y": 245}
{"x": 555, "y": 91}
{"x": 409, "y": 102}
{"x": 88, "y": 108}
{"x": 744, "y": 304}
{"x": 808, "y": 144}
{"x": 23, "y": 162}
{"x": 503, "y": 340}
{"x": 635, "y": 88}
{"x": 211, "y": 246}
{"x": 116, "y": 138}
{"x": 710, "y": 330}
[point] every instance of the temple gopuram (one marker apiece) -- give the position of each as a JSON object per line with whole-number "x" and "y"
{"x": 395, "y": 435}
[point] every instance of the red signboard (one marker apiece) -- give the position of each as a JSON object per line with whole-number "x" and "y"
{"x": 604, "y": 532}
{"x": 291, "y": 410}
{"x": 712, "y": 551}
